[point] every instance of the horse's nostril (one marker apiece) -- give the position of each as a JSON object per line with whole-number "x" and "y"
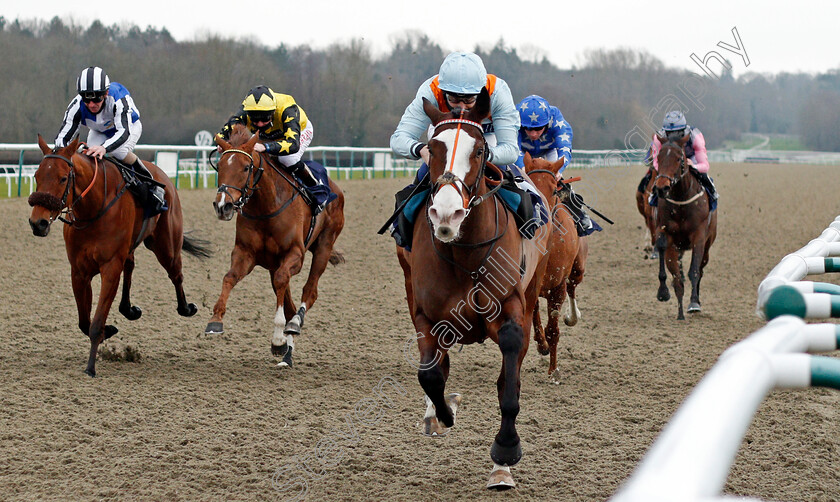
{"x": 228, "y": 207}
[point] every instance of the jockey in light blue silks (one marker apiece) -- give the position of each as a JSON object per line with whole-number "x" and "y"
{"x": 546, "y": 134}
{"x": 462, "y": 77}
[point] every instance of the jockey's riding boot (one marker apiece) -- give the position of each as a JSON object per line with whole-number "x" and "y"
{"x": 709, "y": 185}
{"x": 583, "y": 222}
{"x": 301, "y": 170}
{"x": 157, "y": 192}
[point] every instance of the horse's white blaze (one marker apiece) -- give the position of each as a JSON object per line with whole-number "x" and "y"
{"x": 447, "y": 210}
{"x": 279, "y": 338}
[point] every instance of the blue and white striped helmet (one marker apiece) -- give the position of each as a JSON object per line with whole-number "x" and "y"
{"x": 674, "y": 121}
{"x": 93, "y": 80}
{"x": 534, "y": 111}
{"x": 462, "y": 73}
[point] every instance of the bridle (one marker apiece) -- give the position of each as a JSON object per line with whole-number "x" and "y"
{"x": 468, "y": 197}
{"x": 246, "y": 191}
{"x": 671, "y": 179}
{"x": 70, "y": 187}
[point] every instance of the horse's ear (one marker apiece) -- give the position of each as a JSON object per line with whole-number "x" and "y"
{"x": 222, "y": 143}
{"x": 481, "y": 110}
{"x": 251, "y": 142}
{"x": 527, "y": 161}
{"x": 558, "y": 165}
{"x": 74, "y": 144}
{"x": 432, "y": 111}
{"x": 684, "y": 140}
{"x": 43, "y": 145}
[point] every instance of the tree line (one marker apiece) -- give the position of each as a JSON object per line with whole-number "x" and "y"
{"x": 354, "y": 99}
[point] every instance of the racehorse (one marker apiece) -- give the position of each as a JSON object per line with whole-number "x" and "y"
{"x": 470, "y": 276}
{"x": 102, "y": 230}
{"x": 566, "y": 260}
{"x": 683, "y": 222}
{"x": 648, "y": 212}
{"x": 274, "y": 229}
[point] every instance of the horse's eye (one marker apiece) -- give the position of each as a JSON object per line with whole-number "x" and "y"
{"x": 63, "y": 179}
{"x": 479, "y": 152}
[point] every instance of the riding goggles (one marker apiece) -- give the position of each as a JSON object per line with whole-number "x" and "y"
{"x": 93, "y": 97}
{"x": 466, "y": 99}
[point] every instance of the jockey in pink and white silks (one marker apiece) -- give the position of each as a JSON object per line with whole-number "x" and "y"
{"x": 674, "y": 127}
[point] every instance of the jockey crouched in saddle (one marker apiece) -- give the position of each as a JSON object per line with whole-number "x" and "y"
{"x": 546, "y": 134}
{"x": 461, "y": 78}
{"x": 286, "y": 133}
{"x": 675, "y": 128}
{"x": 108, "y": 111}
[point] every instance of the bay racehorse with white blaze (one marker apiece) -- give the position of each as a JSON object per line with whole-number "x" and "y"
{"x": 683, "y": 222}
{"x": 274, "y": 229}
{"x": 470, "y": 275}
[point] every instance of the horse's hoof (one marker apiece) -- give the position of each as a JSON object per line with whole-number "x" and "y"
{"x": 543, "y": 351}
{"x": 693, "y": 307}
{"x": 500, "y": 479}
{"x": 554, "y": 376}
{"x": 293, "y": 326}
{"x": 506, "y": 455}
{"x": 279, "y": 350}
{"x": 110, "y": 331}
{"x": 131, "y": 313}
{"x": 663, "y": 295}
{"x": 654, "y": 255}
{"x": 287, "y": 359}
{"x": 433, "y": 428}
{"x": 214, "y": 328}
{"x": 188, "y": 311}
{"x": 90, "y": 373}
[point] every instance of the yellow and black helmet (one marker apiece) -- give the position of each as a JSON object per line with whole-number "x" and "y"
{"x": 259, "y": 104}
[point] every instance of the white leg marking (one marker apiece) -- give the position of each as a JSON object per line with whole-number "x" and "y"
{"x": 279, "y": 338}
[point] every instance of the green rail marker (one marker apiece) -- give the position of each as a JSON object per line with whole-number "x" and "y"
{"x": 832, "y": 264}
{"x": 823, "y": 287}
{"x": 825, "y": 372}
{"x": 785, "y": 300}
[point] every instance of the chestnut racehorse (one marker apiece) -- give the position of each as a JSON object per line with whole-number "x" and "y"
{"x": 683, "y": 222}
{"x": 102, "y": 230}
{"x": 566, "y": 260}
{"x": 470, "y": 276}
{"x": 274, "y": 229}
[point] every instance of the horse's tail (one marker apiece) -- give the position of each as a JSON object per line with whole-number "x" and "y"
{"x": 336, "y": 257}
{"x": 199, "y": 248}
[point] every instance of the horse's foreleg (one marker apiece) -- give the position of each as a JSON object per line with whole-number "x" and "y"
{"x": 282, "y": 340}
{"x": 320, "y": 258}
{"x": 84, "y": 297}
{"x": 432, "y": 375}
{"x": 241, "y": 264}
{"x": 672, "y": 260}
{"x": 128, "y": 310}
{"x": 555, "y": 300}
{"x": 110, "y": 274}
{"x": 663, "y": 295}
{"x": 506, "y": 449}
{"x": 695, "y": 272}
{"x": 539, "y": 332}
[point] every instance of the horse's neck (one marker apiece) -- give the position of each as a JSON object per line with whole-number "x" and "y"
{"x": 87, "y": 171}
{"x": 687, "y": 186}
{"x": 272, "y": 190}
{"x": 481, "y": 223}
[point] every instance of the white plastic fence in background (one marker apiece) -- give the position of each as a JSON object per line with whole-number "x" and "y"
{"x": 691, "y": 458}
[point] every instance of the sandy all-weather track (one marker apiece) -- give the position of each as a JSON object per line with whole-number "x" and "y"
{"x": 211, "y": 418}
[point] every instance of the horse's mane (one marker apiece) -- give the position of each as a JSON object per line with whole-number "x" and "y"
{"x": 239, "y": 135}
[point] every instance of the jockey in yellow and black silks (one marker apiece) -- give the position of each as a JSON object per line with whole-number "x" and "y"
{"x": 285, "y": 133}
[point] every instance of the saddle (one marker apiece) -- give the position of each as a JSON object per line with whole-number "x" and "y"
{"x": 140, "y": 187}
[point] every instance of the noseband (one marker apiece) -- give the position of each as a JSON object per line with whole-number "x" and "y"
{"x": 246, "y": 191}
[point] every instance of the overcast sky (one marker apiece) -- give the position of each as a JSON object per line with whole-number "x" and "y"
{"x": 777, "y": 36}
